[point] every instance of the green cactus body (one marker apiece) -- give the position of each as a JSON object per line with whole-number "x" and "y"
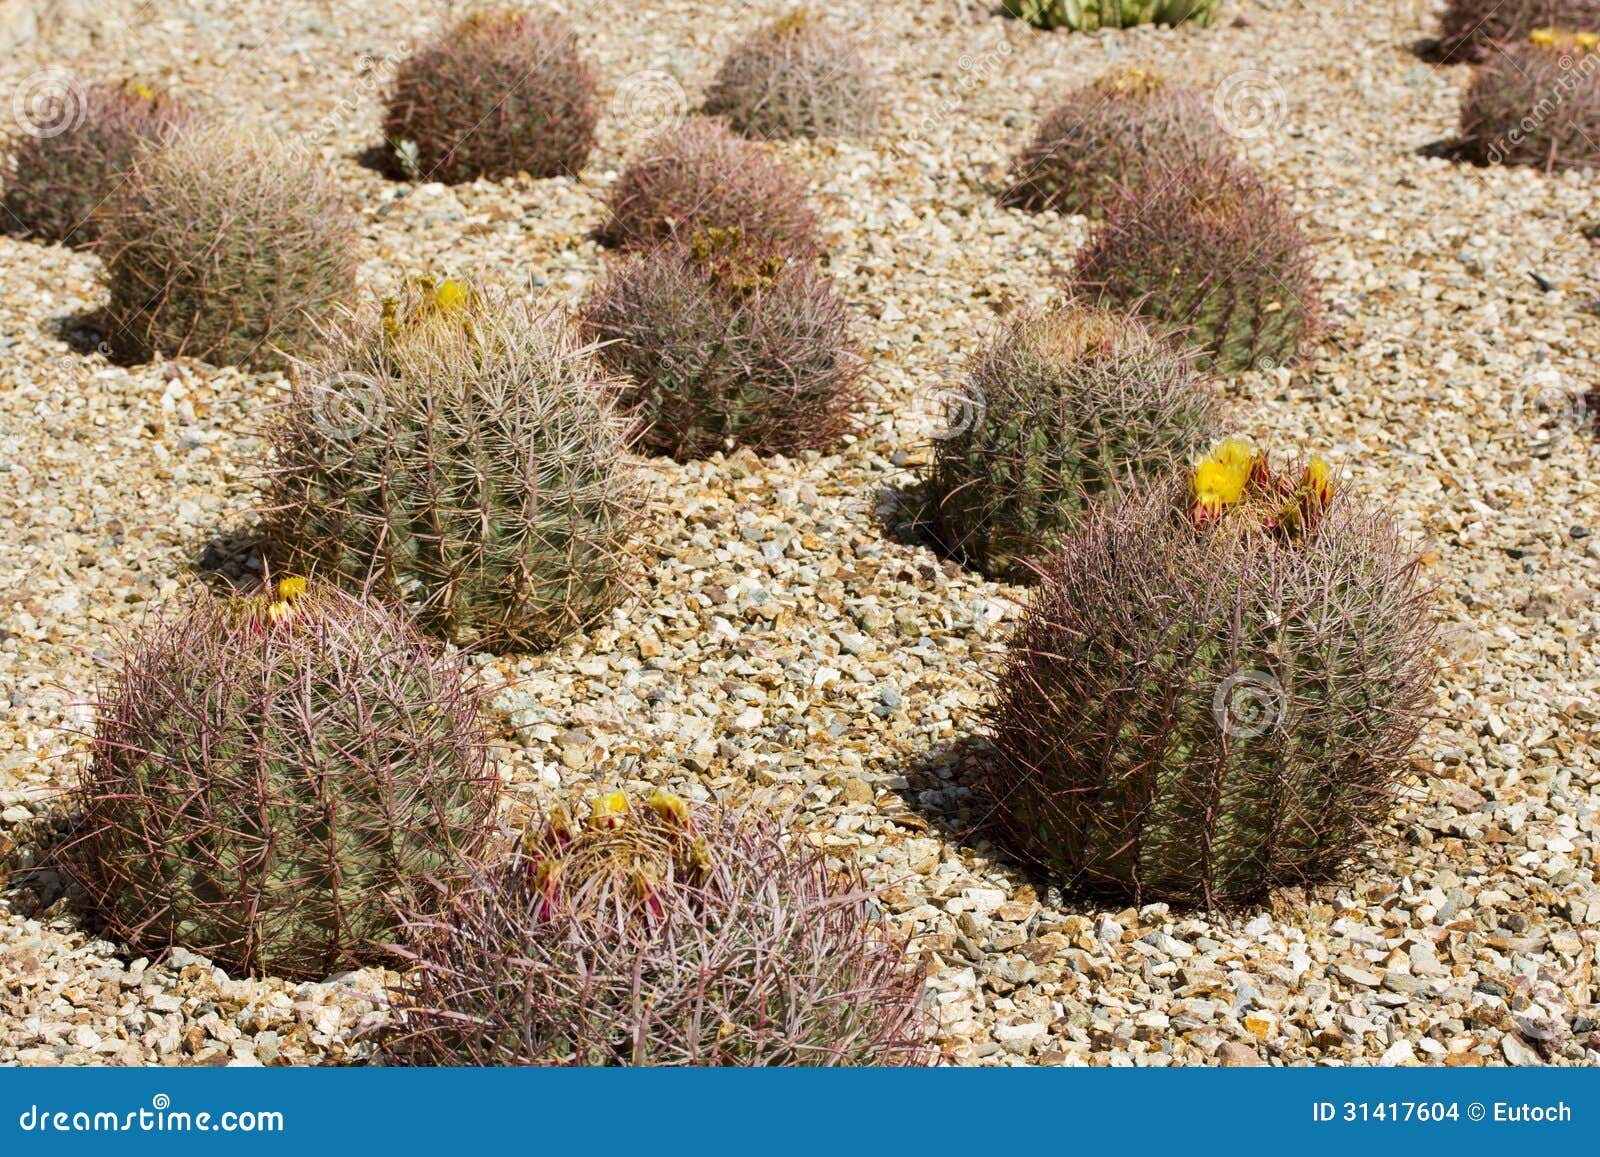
{"x": 1093, "y": 15}
{"x": 1218, "y": 258}
{"x": 227, "y": 246}
{"x": 1065, "y": 405}
{"x": 270, "y": 779}
{"x": 1202, "y": 714}
{"x": 464, "y": 458}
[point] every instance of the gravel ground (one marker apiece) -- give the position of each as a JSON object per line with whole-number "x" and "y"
{"x": 783, "y": 640}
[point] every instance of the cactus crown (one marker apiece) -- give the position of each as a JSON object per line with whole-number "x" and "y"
{"x": 1238, "y": 486}
{"x": 793, "y": 21}
{"x": 731, "y": 263}
{"x": 629, "y": 854}
{"x": 1564, "y": 40}
{"x": 1130, "y": 78}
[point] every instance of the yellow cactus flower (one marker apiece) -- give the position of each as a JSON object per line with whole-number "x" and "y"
{"x": 669, "y": 807}
{"x": 610, "y": 810}
{"x": 1220, "y": 478}
{"x": 449, "y": 296}
{"x": 1543, "y": 37}
{"x": 140, "y": 90}
{"x": 1319, "y": 480}
{"x": 1588, "y": 41}
{"x": 291, "y": 588}
{"x": 279, "y": 612}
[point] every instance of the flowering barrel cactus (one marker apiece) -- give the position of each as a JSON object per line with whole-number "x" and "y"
{"x": 796, "y": 77}
{"x": 1536, "y": 102}
{"x": 460, "y": 453}
{"x": 658, "y": 934}
{"x": 271, "y": 776}
{"x": 1093, "y": 15}
{"x": 54, "y": 181}
{"x": 1215, "y": 255}
{"x": 1127, "y": 126}
{"x": 1066, "y": 404}
{"x": 1469, "y": 29}
{"x": 1215, "y": 688}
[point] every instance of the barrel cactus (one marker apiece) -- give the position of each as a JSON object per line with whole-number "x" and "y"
{"x": 1216, "y": 687}
{"x": 1536, "y": 102}
{"x": 727, "y": 345}
{"x": 1217, "y": 256}
{"x": 798, "y": 76}
{"x": 55, "y": 179}
{"x": 1093, "y": 15}
{"x": 225, "y": 245}
{"x": 659, "y": 933}
{"x": 1128, "y": 125}
{"x": 459, "y": 452}
{"x": 272, "y": 775}
{"x": 1067, "y": 404}
{"x": 1468, "y": 29}
{"x": 502, "y": 91}
{"x": 699, "y": 176}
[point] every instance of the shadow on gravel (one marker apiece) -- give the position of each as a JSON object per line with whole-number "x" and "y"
{"x": 1451, "y": 150}
{"x": 1430, "y": 50}
{"x": 948, "y": 788}
{"x": 234, "y": 559}
{"x": 33, "y": 878}
{"x": 85, "y": 332}
{"x": 381, "y": 159}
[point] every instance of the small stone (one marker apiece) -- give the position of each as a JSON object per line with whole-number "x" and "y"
{"x": 1019, "y": 1038}
{"x": 857, "y": 791}
{"x": 1233, "y": 1055}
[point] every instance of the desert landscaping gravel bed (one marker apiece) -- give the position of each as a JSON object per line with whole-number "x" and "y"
{"x": 790, "y": 635}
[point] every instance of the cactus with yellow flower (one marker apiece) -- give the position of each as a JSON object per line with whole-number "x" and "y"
{"x": 656, "y": 931}
{"x": 1471, "y": 30}
{"x": 459, "y": 453}
{"x": 1216, "y": 687}
{"x": 1116, "y": 133}
{"x": 272, "y": 774}
{"x": 1536, "y": 101}
{"x": 51, "y": 183}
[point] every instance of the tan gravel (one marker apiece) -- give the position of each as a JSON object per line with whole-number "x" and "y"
{"x": 781, "y": 640}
